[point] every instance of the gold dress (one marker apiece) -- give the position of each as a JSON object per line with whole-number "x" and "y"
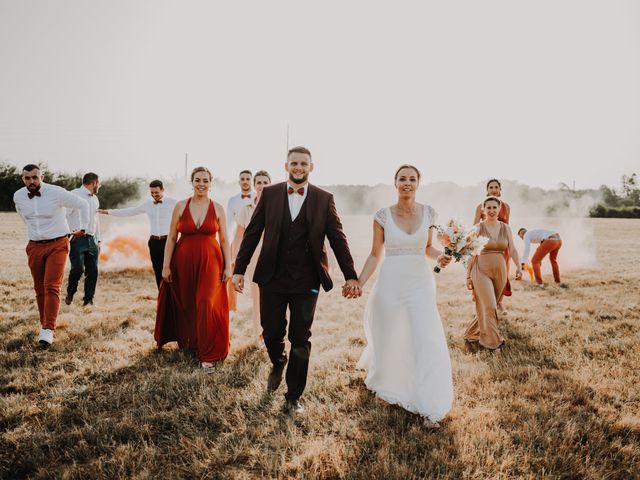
{"x": 488, "y": 271}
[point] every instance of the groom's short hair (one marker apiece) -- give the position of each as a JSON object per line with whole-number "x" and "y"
{"x": 299, "y": 150}
{"x": 156, "y": 184}
{"x": 522, "y": 230}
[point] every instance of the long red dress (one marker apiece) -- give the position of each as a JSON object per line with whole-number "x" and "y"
{"x": 193, "y": 309}
{"x": 503, "y": 216}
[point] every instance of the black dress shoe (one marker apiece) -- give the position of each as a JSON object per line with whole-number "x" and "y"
{"x": 275, "y": 377}
{"x": 68, "y": 299}
{"x": 87, "y": 302}
{"x": 293, "y": 406}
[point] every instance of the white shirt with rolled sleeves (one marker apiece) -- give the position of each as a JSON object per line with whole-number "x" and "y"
{"x": 234, "y": 205}
{"x": 73, "y": 215}
{"x": 159, "y": 214}
{"x": 534, "y": 236}
{"x": 45, "y": 216}
{"x": 296, "y": 200}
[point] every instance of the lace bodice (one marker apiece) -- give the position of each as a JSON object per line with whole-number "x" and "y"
{"x": 399, "y": 242}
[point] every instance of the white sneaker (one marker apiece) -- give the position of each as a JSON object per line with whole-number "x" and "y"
{"x": 46, "y": 337}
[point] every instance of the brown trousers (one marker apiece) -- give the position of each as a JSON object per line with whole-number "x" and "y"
{"x": 46, "y": 262}
{"x": 551, "y": 247}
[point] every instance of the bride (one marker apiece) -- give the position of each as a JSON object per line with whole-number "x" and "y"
{"x": 406, "y": 357}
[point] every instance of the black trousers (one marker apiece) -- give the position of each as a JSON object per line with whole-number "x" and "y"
{"x": 156, "y": 251}
{"x": 273, "y": 309}
{"x": 83, "y": 256}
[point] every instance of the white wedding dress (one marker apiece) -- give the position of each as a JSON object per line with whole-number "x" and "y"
{"x": 406, "y": 357}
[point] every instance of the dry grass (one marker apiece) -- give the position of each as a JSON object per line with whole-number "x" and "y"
{"x": 560, "y": 401}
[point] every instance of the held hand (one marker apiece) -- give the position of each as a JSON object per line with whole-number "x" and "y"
{"x": 166, "y": 274}
{"x": 78, "y": 233}
{"x": 238, "y": 283}
{"x": 352, "y": 289}
{"x": 226, "y": 275}
{"x": 444, "y": 260}
{"x": 103, "y": 211}
{"x": 519, "y": 275}
{"x": 469, "y": 283}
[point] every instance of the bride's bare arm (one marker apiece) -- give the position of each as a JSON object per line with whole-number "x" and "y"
{"x": 373, "y": 260}
{"x": 435, "y": 254}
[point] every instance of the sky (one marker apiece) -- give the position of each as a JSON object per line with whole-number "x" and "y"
{"x": 539, "y": 92}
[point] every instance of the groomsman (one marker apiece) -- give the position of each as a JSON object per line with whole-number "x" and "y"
{"x": 86, "y": 249}
{"x": 42, "y": 207}
{"x": 159, "y": 209}
{"x": 550, "y": 243}
{"x": 234, "y": 207}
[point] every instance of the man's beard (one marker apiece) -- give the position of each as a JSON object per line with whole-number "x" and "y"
{"x": 298, "y": 181}
{"x": 33, "y": 187}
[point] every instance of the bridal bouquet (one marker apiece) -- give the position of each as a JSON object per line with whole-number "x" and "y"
{"x": 459, "y": 242}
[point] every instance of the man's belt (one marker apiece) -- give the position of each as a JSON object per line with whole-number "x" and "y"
{"x": 49, "y": 240}
{"x": 158, "y": 237}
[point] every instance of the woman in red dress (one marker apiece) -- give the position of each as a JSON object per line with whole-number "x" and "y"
{"x": 192, "y": 303}
{"x": 494, "y": 189}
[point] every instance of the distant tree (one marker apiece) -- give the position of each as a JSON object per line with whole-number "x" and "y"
{"x": 117, "y": 191}
{"x": 630, "y": 189}
{"x": 10, "y": 181}
{"x": 609, "y": 196}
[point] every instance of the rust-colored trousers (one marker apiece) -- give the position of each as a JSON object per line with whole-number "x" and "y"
{"x": 46, "y": 262}
{"x": 551, "y": 247}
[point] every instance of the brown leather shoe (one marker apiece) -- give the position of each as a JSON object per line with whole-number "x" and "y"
{"x": 275, "y": 378}
{"x": 68, "y": 299}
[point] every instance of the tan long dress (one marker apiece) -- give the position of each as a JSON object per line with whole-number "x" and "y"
{"x": 488, "y": 272}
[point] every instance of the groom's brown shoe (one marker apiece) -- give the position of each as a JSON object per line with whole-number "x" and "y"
{"x": 275, "y": 378}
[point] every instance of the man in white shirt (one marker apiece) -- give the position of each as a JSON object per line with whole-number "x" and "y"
{"x": 85, "y": 250}
{"x": 42, "y": 207}
{"x": 550, "y": 243}
{"x": 234, "y": 207}
{"x": 159, "y": 209}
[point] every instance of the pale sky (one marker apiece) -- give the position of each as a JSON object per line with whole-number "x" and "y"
{"x": 541, "y": 91}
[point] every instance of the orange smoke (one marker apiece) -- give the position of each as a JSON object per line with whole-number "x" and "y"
{"x": 529, "y": 270}
{"x": 126, "y": 251}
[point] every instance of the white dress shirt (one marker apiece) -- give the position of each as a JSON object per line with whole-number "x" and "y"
{"x": 235, "y": 204}
{"x": 159, "y": 214}
{"x": 535, "y": 236}
{"x": 73, "y": 215}
{"x": 45, "y": 215}
{"x": 296, "y": 200}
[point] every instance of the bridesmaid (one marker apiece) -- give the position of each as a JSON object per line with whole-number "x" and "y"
{"x": 192, "y": 303}
{"x": 487, "y": 275}
{"x": 260, "y": 180}
{"x": 494, "y": 189}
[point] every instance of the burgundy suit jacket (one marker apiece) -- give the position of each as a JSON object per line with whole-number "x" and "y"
{"x": 322, "y": 221}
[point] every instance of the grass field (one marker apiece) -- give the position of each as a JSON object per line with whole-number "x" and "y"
{"x": 562, "y": 400}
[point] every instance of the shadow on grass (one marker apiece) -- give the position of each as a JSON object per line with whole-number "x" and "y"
{"x": 554, "y": 424}
{"x": 162, "y": 414}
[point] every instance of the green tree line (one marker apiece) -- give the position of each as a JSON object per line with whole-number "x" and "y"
{"x": 114, "y": 191}
{"x": 624, "y": 203}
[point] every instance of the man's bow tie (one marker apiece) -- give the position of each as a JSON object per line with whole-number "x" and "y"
{"x": 299, "y": 191}
{"x": 155, "y": 202}
{"x": 248, "y": 195}
{"x": 34, "y": 194}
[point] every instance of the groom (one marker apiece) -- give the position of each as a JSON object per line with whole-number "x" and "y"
{"x": 295, "y": 217}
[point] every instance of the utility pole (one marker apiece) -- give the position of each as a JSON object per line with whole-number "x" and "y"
{"x": 186, "y": 161}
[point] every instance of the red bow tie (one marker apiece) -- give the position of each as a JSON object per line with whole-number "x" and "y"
{"x": 245, "y": 196}
{"x": 34, "y": 194}
{"x": 299, "y": 191}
